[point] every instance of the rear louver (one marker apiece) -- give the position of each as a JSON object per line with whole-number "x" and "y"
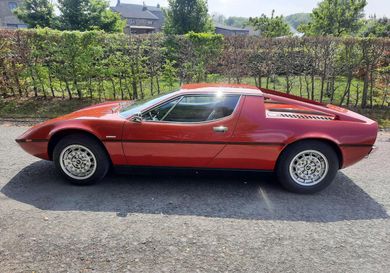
{"x": 298, "y": 116}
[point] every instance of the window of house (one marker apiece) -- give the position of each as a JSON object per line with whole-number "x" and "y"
{"x": 12, "y": 25}
{"x": 12, "y": 5}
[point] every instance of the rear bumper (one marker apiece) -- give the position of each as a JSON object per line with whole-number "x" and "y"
{"x": 354, "y": 153}
{"x": 373, "y": 150}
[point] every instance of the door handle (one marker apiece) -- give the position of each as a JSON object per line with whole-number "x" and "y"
{"x": 220, "y": 129}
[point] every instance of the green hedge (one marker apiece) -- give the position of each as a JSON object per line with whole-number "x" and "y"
{"x": 94, "y": 64}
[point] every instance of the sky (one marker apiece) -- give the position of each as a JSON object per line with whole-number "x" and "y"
{"x": 247, "y": 8}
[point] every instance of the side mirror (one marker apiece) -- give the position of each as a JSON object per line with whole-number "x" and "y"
{"x": 137, "y": 117}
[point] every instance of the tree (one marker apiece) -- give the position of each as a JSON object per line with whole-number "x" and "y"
{"x": 169, "y": 73}
{"x": 184, "y": 16}
{"x": 236, "y": 21}
{"x": 36, "y": 13}
{"x": 88, "y": 15}
{"x": 336, "y": 18}
{"x": 376, "y": 28}
{"x": 297, "y": 19}
{"x": 218, "y": 18}
{"x": 101, "y": 17}
{"x": 273, "y": 26}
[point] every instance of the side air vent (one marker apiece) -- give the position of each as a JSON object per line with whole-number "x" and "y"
{"x": 273, "y": 114}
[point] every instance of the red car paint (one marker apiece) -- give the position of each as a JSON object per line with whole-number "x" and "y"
{"x": 257, "y": 132}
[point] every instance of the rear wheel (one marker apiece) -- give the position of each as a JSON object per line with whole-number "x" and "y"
{"x": 307, "y": 166}
{"x": 81, "y": 159}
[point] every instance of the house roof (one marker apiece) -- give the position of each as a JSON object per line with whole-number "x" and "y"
{"x": 135, "y": 11}
{"x": 151, "y": 8}
{"x": 231, "y": 28}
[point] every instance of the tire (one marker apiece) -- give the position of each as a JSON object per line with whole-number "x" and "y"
{"x": 307, "y": 166}
{"x": 81, "y": 159}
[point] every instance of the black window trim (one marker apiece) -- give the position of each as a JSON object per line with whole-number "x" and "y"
{"x": 195, "y": 122}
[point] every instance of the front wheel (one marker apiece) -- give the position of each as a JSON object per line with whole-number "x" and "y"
{"x": 307, "y": 167}
{"x": 81, "y": 159}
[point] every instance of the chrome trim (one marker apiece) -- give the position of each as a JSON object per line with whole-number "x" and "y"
{"x": 220, "y": 129}
{"x": 292, "y": 115}
{"x": 18, "y": 140}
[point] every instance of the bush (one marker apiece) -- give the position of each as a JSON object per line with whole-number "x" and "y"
{"x": 94, "y": 64}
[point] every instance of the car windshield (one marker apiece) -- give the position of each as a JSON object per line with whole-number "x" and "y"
{"x": 139, "y": 106}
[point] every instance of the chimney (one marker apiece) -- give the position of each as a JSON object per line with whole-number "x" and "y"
{"x": 144, "y": 6}
{"x": 118, "y": 2}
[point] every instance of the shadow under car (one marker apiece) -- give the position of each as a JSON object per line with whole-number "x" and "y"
{"x": 223, "y": 195}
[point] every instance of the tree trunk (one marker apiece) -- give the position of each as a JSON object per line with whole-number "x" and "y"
{"x": 16, "y": 76}
{"x": 90, "y": 88}
{"x": 151, "y": 86}
{"x": 68, "y": 89}
{"x": 141, "y": 89}
{"x": 158, "y": 85}
{"x": 312, "y": 85}
{"x": 365, "y": 87}
{"x": 347, "y": 89}
{"x": 75, "y": 84}
{"x": 357, "y": 95}
{"x": 51, "y": 85}
{"x": 372, "y": 82}
{"x": 121, "y": 88}
{"x": 113, "y": 88}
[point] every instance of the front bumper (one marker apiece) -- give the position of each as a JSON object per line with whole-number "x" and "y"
{"x": 35, "y": 147}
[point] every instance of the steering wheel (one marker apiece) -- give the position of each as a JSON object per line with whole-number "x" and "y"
{"x": 153, "y": 116}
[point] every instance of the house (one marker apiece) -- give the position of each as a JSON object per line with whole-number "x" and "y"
{"x": 230, "y": 31}
{"x": 7, "y": 18}
{"x": 140, "y": 19}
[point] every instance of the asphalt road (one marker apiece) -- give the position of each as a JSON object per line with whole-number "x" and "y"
{"x": 186, "y": 222}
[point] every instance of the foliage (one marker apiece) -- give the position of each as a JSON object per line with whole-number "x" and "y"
{"x": 169, "y": 74}
{"x": 275, "y": 26}
{"x": 36, "y": 13}
{"x": 183, "y": 16}
{"x": 88, "y": 15}
{"x": 69, "y": 64}
{"x": 206, "y": 48}
{"x": 234, "y": 21}
{"x": 335, "y": 17}
{"x": 74, "y": 15}
{"x": 374, "y": 27}
{"x": 296, "y": 19}
{"x": 237, "y": 21}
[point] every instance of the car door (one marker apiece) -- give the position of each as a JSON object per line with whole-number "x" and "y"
{"x": 187, "y": 131}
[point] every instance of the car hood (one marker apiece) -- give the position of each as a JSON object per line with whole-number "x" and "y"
{"x": 105, "y": 110}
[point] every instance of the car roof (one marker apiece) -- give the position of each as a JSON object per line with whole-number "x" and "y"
{"x": 220, "y": 87}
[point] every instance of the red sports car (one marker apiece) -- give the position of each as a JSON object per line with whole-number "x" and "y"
{"x": 209, "y": 126}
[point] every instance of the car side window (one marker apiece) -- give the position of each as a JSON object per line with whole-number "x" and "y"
{"x": 158, "y": 113}
{"x": 199, "y": 108}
